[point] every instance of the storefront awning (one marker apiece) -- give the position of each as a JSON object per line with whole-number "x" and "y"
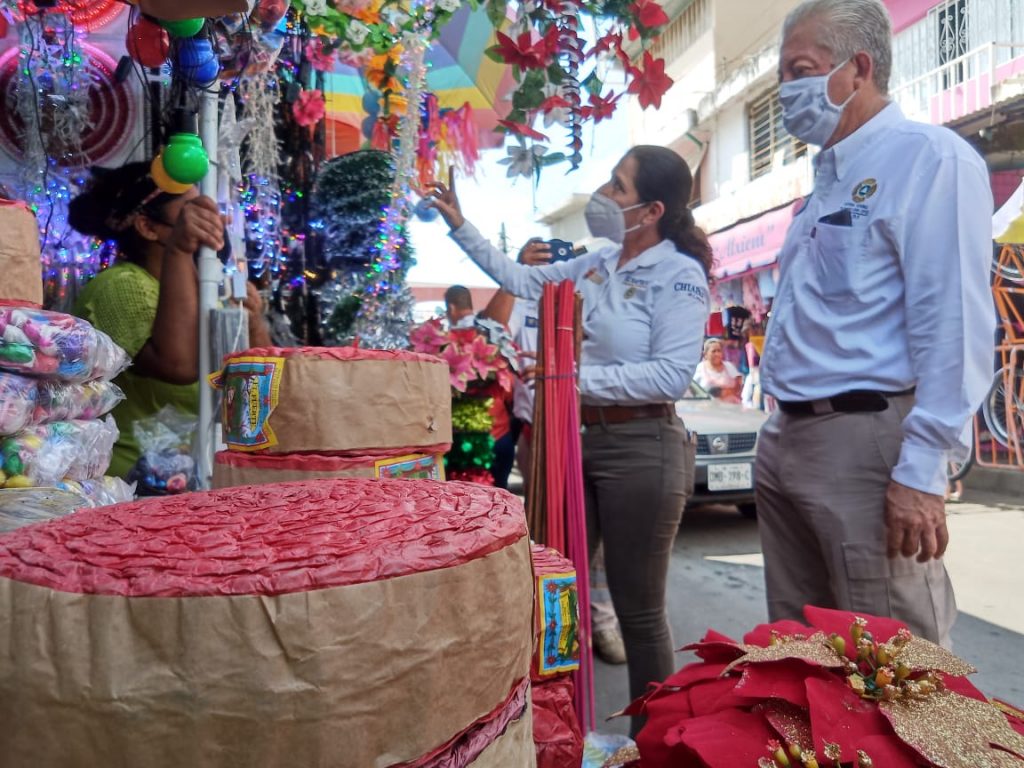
{"x": 751, "y": 244}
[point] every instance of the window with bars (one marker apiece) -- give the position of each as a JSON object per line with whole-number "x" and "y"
{"x": 768, "y": 137}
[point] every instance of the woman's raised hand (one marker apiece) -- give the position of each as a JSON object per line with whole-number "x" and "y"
{"x": 198, "y": 224}
{"x": 446, "y": 201}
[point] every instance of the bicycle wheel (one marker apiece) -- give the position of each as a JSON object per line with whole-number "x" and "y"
{"x": 958, "y": 470}
{"x": 1009, "y": 272}
{"x": 993, "y": 410}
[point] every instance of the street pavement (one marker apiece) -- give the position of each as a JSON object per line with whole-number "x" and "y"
{"x": 716, "y": 580}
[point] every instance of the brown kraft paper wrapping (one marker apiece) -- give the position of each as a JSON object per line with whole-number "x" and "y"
{"x": 227, "y": 475}
{"x": 364, "y": 676}
{"x": 329, "y": 405}
{"x": 514, "y": 748}
{"x": 19, "y": 254}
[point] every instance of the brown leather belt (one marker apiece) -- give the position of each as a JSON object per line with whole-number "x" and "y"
{"x": 618, "y": 414}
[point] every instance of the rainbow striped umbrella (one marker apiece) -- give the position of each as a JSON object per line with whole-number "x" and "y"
{"x": 460, "y": 73}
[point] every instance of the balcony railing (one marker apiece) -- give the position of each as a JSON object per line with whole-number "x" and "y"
{"x": 962, "y": 86}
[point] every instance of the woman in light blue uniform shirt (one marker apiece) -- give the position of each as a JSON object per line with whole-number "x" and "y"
{"x": 645, "y": 305}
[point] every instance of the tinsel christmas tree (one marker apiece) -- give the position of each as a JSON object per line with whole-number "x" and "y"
{"x": 349, "y": 201}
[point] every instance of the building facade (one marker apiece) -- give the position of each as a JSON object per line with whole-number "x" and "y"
{"x": 958, "y": 63}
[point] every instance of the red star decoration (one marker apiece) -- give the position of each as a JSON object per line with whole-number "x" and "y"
{"x": 650, "y": 83}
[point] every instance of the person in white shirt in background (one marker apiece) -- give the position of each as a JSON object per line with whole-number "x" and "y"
{"x": 880, "y": 344}
{"x": 522, "y": 318}
{"x": 458, "y": 307}
{"x": 645, "y": 305}
{"x": 717, "y": 375}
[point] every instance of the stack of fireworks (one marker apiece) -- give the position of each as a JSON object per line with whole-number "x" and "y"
{"x": 55, "y": 389}
{"x": 333, "y": 623}
{"x": 556, "y": 729}
{"x": 317, "y": 413}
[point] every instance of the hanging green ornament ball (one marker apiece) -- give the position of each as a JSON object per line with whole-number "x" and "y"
{"x": 184, "y": 27}
{"x": 185, "y": 158}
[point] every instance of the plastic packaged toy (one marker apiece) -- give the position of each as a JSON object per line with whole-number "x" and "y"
{"x": 26, "y": 402}
{"x": 51, "y": 453}
{"x": 53, "y": 345}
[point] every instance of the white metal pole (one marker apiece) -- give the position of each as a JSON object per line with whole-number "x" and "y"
{"x": 211, "y": 275}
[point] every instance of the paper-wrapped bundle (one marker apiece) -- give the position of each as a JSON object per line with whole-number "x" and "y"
{"x": 334, "y": 400}
{"x": 234, "y": 468}
{"x": 332, "y": 623}
{"x": 19, "y": 254}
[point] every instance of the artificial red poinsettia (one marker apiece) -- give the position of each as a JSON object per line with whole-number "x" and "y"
{"x": 319, "y": 56}
{"x": 525, "y": 52}
{"x": 309, "y": 108}
{"x": 650, "y": 83}
{"x": 841, "y": 691}
{"x": 600, "y": 107}
{"x": 522, "y": 130}
{"x": 649, "y": 14}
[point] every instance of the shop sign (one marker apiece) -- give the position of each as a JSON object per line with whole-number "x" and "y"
{"x": 751, "y": 244}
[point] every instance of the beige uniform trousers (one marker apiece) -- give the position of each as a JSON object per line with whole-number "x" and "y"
{"x": 821, "y": 483}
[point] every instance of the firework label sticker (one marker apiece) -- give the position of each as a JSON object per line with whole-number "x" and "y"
{"x": 251, "y": 393}
{"x": 558, "y": 610}
{"x": 417, "y": 466}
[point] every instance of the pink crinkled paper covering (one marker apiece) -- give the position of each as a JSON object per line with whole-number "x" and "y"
{"x": 265, "y": 540}
{"x": 337, "y": 353}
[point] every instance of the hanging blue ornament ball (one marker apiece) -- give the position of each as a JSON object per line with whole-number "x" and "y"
{"x": 425, "y": 211}
{"x": 371, "y": 103}
{"x": 367, "y": 126}
{"x": 196, "y": 61}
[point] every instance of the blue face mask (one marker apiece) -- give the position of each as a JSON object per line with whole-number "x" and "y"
{"x": 807, "y": 112}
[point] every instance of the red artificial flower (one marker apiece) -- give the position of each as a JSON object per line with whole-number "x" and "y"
{"x": 309, "y": 108}
{"x": 552, "y": 103}
{"x": 650, "y": 83}
{"x": 522, "y": 130}
{"x": 525, "y": 52}
{"x": 321, "y": 59}
{"x": 611, "y": 41}
{"x": 600, "y": 107}
{"x": 649, "y": 14}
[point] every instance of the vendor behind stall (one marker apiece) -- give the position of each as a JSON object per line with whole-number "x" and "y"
{"x": 148, "y": 302}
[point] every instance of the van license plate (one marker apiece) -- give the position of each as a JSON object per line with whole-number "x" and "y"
{"x": 730, "y": 477}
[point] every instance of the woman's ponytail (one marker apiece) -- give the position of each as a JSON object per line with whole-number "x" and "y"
{"x": 663, "y": 175}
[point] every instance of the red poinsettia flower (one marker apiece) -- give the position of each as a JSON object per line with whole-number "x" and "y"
{"x": 600, "y": 107}
{"x": 650, "y": 83}
{"x": 319, "y": 57}
{"x": 309, "y": 108}
{"x": 552, "y": 103}
{"x": 522, "y": 130}
{"x": 610, "y": 41}
{"x": 649, "y": 14}
{"x": 791, "y": 685}
{"x": 525, "y": 52}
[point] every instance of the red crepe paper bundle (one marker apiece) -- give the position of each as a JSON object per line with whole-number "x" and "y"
{"x": 844, "y": 690}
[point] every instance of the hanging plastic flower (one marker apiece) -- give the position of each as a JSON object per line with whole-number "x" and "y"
{"x": 319, "y": 56}
{"x": 650, "y": 83}
{"x": 522, "y": 160}
{"x": 600, "y": 107}
{"x": 648, "y": 14}
{"x": 309, "y": 108}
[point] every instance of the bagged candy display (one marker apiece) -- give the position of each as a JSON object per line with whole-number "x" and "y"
{"x": 51, "y": 453}
{"x": 18, "y": 399}
{"x": 52, "y": 345}
{"x": 26, "y": 402}
{"x": 166, "y": 465}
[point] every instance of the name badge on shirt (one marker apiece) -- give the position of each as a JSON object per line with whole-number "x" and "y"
{"x": 594, "y": 276}
{"x": 530, "y": 322}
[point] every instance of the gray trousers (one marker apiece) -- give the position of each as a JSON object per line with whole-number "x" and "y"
{"x": 821, "y": 483}
{"x": 635, "y": 477}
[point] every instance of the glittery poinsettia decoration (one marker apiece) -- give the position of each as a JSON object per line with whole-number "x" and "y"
{"x": 554, "y": 67}
{"x": 843, "y": 691}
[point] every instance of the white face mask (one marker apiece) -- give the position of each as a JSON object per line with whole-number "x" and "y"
{"x": 606, "y": 219}
{"x": 807, "y": 112}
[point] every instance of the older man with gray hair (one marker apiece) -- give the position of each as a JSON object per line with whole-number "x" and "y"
{"x": 880, "y": 343}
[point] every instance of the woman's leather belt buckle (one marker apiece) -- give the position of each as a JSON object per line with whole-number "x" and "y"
{"x": 619, "y": 414}
{"x": 854, "y": 401}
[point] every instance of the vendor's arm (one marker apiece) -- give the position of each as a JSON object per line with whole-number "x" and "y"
{"x": 677, "y": 336}
{"x": 172, "y": 352}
